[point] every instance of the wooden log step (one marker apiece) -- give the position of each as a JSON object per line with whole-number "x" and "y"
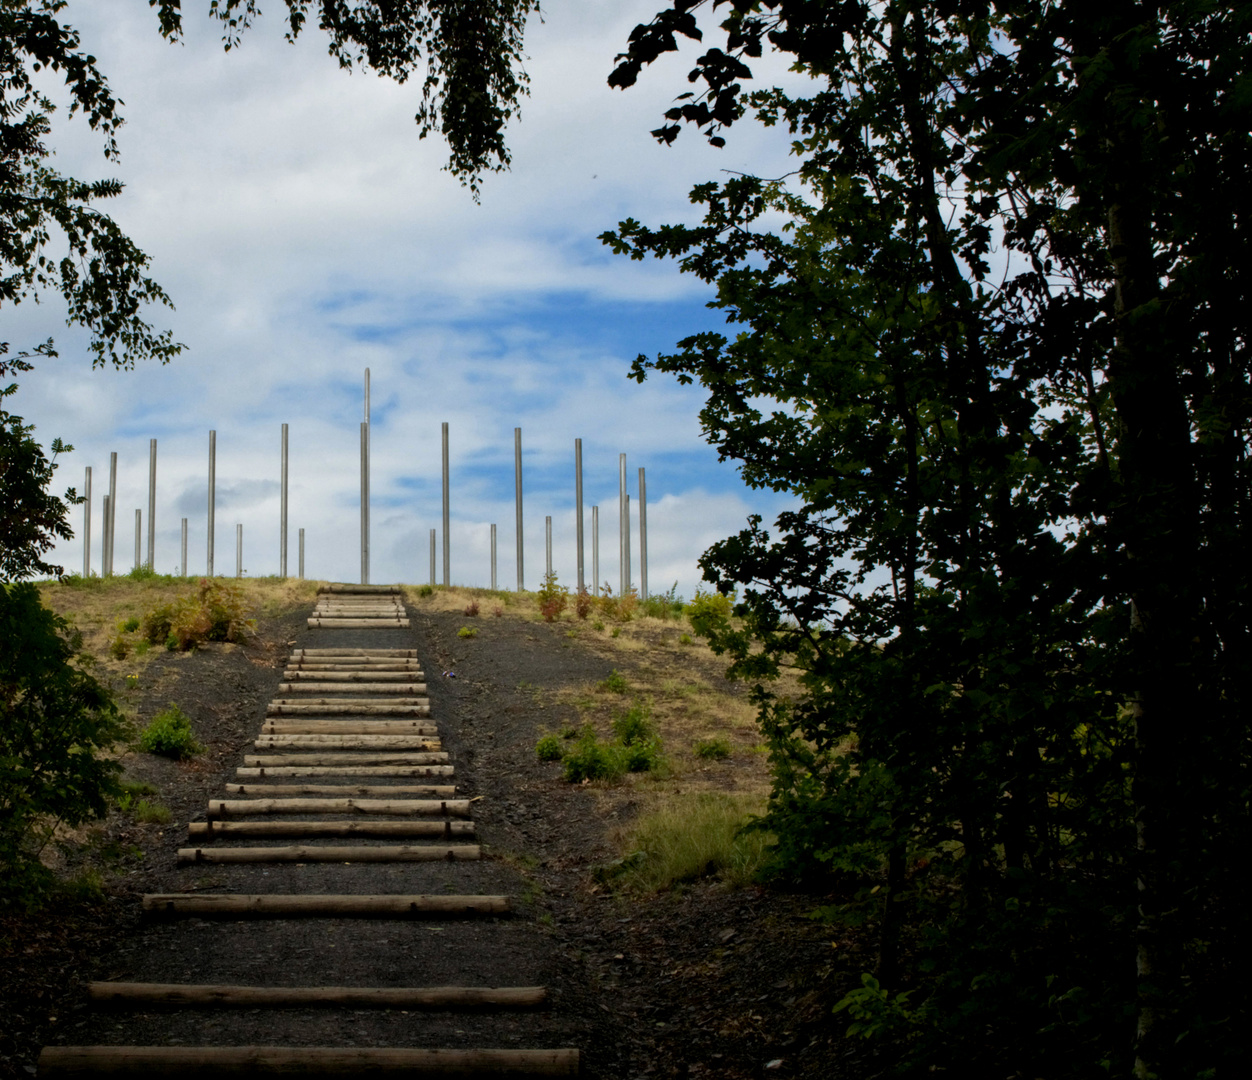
{"x": 378, "y": 1063}
{"x": 344, "y": 770}
{"x": 370, "y": 654}
{"x": 429, "y": 830}
{"x": 339, "y": 853}
{"x": 322, "y": 905}
{"x": 407, "y": 686}
{"x": 391, "y": 603}
{"x": 359, "y": 611}
{"x": 175, "y": 995}
{"x": 365, "y": 757}
{"x": 348, "y": 742}
{"x": 348, "y": 587}
{"x": 349, "y": 727}
{"x": 344, "y": 791}
{"x": 231, "y": 808}
{"x": 331, "y": 623}
{"x": 372, "y": 675}
{"x": 305, "y": 702}
{"x": 391, "y": 708}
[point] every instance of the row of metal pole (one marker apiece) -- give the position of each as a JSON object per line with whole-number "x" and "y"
{"x": 109, "y": 516}
{"x": 624, "y": 549}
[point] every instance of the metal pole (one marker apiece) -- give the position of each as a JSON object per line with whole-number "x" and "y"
{"x": 138, "y": 538}
{"x": 104, "y": 537}
{"x": 623, "y": 510}
{"x": 87, "y": 525}
{"x": 643, "y": 535}
{"x": 595, "y": 551}
{"x": 212, "y": 494}
{"x": 152, "y": 504}
{"x": 547, "y": 543}
{"x": 111, "y": 524}
{"x": 301, "y": 554}
{"x": 432, "y": 556}
{"x": 517, "y": 473}
{"x": 493, "y": 558}
{"x": 447, "y": 552}
{"x": 183, "y": 565}
{"x": 282, "y": 514}
{"x": 365, "y": 574}
{"x": 239, "y": 550}
{"x": 629, "y": 583}
{"x": 578, "y": 508}
{"x": 366, "y": 509}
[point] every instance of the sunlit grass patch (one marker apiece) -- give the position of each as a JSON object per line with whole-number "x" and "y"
{"x": 689, "y": 837}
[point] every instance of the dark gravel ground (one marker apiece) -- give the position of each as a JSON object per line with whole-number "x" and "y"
{"x": 705, "y": 982}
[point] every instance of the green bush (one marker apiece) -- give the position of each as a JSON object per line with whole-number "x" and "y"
{"x": 549, "y": 748}
{"x": 55, "y": 721}
{"x": 615, "y": 683}
{"x": 708, "y": 611}
{"x": 467, "y": 632}
{"x": 212, "y": 611}
{"x": 712, "y": 749}
{"x": 591, "y": 759}
{"x": 425, "y": 591}
{"x": 553, "y": 598}
{"x": 130, "y": 625}
{"x": 634, "y": 725}
{"x": 668, "y": 605}
{"x": 152, "y": 813}
{"x": 169, "y": 734}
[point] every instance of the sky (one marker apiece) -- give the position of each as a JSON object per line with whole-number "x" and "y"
{"x": 305, "y": 233}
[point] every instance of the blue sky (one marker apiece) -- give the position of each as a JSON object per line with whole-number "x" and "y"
{"x": 305, "y": 233}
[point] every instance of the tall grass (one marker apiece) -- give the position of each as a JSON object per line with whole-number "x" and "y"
{"x": 691, "y": 837}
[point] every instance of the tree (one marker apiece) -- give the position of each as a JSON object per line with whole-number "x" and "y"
{"x": 1005, "y": 334}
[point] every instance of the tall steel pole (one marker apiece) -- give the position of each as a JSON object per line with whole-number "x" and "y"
{"x": 623, "y": 516}
{"x": 152, "y": 447}
{"x": 447, "y": 548}
{"x": 301, "y": 554}
{"x": 595, "y": 551}
{"x": 239, "y": 550}
{"x": 87, "y": 525}
{"x": 517, "y": 475}
{"x": 366, "y": 504}
{"x": 212, "y": 493}
{"x": 110, "y": 525}
{"x": 578, "y": 508}
{"x": 547, "y": 544}
{"x": 138, "y": 538}
{"x": 282, "y": 514}
{"x": 643, "y": 535}
{"x": 365, "y": 540}
{"x": 433, "y": 578}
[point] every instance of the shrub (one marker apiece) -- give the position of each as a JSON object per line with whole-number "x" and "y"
{"x": 583, "y": 603}
{"x": 212, "y": 611}
{"x": 668, "y": 605}
{"x": 467, "y": 632}
{"x": 707, "y": 611}
{"x": 426, "y": 590}
{"x": 553, "y": 598}
{"x": 471, "y": 609}
{"x": 634, "y": 725}
{"x": 56, "y": 720}
{"x": 684, "y": 639}
{"x": 152, "y": 813}
{"x": 615, "y": 683}
{"x": 712, "y": 749}
{"x": 130, "y": 625}
{"x": 549, "y": 748}
{"x": 591, "y": 759}
{"x": 169, "y": 734}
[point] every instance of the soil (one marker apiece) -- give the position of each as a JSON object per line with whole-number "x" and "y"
{"x": 703, "y": 981}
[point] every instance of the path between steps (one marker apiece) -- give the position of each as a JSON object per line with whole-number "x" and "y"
{"x": 344, "y": 850}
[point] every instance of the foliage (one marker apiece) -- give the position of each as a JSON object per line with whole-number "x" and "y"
{"x": 212, "y": 611}
{"x": 553, "y": 598}
{"x": 712, "y": 749}
{"x": 467, "y": 632}
{"x": 55, "y": 718}
{"x": 874, "y": 1011}
{"x": 169, "y": 734}
{"x": 471, "y": 609}
{"x": 583, "y": 602}
{"x": 634, "y": 725}
{"x": 693, "y": 837}
{"x": 614, "y": 683}
{"x": 991, "y": 336}
{"x": 666, "y": 605}
{"x": 709, "y": 612}
{"x": 549, "y": 748}
{"x": 591, "y": 759}
{"x": 31, "y": 518}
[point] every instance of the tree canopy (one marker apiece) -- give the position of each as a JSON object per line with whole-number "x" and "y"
{"x": 999, "y": 349}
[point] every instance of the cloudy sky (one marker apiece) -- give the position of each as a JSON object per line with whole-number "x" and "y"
{"x": 305, "y": 234}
